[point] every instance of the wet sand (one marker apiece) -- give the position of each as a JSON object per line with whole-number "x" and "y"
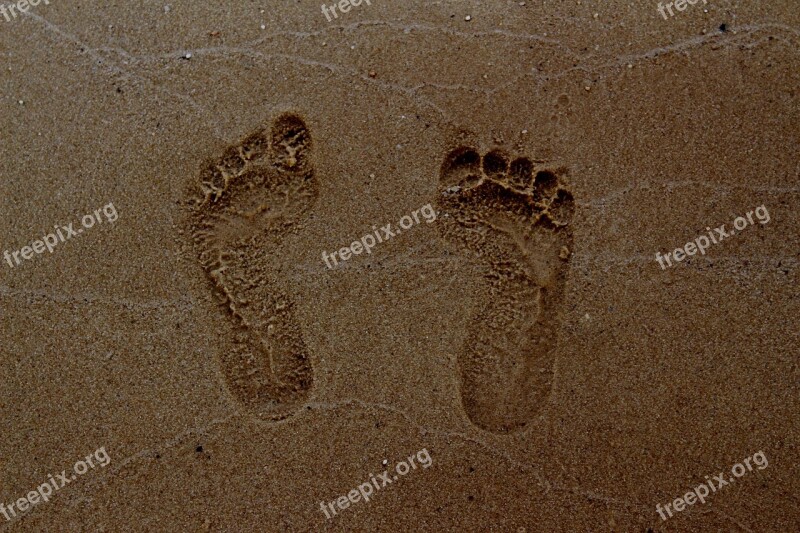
{"x": 527, "y": 339}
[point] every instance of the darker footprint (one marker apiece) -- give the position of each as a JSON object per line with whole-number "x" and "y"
{"x": 257, "y": 192}
{"x": 518, "y": 225}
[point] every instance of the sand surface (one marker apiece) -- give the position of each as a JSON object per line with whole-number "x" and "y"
{"x": 518, "y": 341}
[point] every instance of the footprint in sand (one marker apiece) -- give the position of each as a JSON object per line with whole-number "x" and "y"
{"x": 257, "y": 192}
{"x": 518, "y": 224}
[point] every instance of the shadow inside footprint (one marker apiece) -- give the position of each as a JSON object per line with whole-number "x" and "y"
{"x": 255, "y": 193}
{"x": 519, "y": 227}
